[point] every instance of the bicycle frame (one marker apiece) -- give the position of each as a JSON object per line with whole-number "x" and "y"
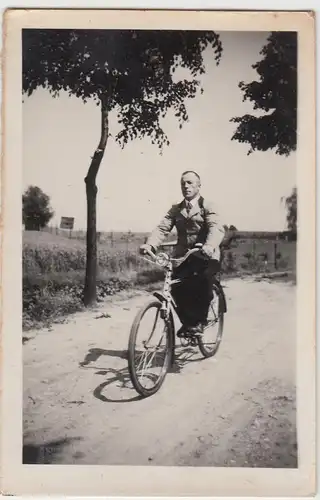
{"x": 165, "y": 297}
{"x": 168, "y": 302}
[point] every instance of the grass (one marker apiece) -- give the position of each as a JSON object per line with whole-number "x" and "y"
{"x": 44, "y": 252}
{"x": 54, "y": 268}
{"x": 258, "y": 256}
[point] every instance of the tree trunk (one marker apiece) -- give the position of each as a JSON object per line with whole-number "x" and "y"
{"x": 90, "y": 287}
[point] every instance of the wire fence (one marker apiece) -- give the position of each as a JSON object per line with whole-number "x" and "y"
{"x": 247, "y": 250}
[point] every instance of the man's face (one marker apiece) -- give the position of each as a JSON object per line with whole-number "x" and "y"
{"x": 190, "y": 186}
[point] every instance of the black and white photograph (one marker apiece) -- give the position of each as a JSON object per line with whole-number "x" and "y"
{"x": 158, "y": 213}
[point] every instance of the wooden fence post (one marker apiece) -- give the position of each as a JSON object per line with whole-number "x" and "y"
{"x": 275, "y": 255}
{"x": 254, "y": 248}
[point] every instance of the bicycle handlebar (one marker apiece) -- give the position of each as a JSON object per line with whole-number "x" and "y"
{"x": 180, "y": 260}
{"x": 177, "y": 261}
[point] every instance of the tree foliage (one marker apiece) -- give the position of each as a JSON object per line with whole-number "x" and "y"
{"x": 274, "y": 95}
{"x": 229, "y": 237}
{"x": 36, "y": 210}
{"x": 291, "y": 203}
{"x": 129, "y": 72}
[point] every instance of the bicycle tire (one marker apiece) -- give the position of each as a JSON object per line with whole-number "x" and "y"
{"x": 143, "y": 391}
{"x": 204, "y": 351}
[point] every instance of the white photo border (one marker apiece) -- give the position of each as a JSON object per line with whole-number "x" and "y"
{"x": 20, "y": 479}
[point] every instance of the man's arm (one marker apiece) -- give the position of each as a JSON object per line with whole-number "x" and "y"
{"x": 162, "y": 230}
{"x": 216, "y": 231}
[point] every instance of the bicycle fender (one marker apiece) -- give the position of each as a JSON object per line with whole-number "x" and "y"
{"x": 220, "y": 291}
{"x": 159, "y": 296}
{"x": 224, "y": 302}
{"x": 162, "y": 298}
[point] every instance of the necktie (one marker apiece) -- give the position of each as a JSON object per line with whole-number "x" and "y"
{"x": 189, "y": 206}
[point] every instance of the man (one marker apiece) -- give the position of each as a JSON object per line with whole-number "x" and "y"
{"x": 196, "y": 222}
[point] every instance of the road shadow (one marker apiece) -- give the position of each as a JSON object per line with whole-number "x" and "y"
{"x": 121, "y": 377}
{"x": 95, "y": 353}
{"x": 46, "y": 453}
{"x": 184, "y": 356}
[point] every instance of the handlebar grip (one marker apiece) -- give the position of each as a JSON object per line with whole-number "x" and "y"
{"x": 149, "y": 252}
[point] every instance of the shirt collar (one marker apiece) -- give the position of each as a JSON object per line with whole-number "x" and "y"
{"x": 193, "y": 201}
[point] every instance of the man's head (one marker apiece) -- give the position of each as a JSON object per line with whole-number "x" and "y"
{"x": 190, "y": 184}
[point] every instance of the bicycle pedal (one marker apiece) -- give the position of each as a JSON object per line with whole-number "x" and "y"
{"x": 181, "y": 335}
{"x": 188, "y": 335}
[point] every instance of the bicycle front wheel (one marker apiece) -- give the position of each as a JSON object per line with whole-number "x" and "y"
{"x": 150, "y": 349}
{"x": 210, "y": 340}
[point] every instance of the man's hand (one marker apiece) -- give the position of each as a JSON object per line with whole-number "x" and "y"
{"x": 208, "y": 251}
{"x": 145, "y": 249}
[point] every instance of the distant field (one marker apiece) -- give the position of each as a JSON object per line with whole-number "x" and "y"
{"x": 54, "y": 268}
{"x": 46, "y": 252}
{"x": 114, "y": 240}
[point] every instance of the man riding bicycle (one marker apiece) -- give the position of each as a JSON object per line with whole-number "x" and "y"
{"x": 197, "y": 224}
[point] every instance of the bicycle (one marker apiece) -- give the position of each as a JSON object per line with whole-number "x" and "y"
{"x": 164, "y": 307}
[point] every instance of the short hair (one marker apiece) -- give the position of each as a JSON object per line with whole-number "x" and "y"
{"x": 191, "y": 172}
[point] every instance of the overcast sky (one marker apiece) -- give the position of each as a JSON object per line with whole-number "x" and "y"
{"x": 137, "y": 185}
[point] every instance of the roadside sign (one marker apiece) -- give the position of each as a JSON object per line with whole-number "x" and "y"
{"x": 67, "y": 223}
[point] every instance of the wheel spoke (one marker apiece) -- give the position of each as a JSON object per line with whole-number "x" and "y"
{"x": 141, "y": 360}
{"x": 145, "y": 362}
{"x": 154, "y": 353}
{"x": 151, "y": 350}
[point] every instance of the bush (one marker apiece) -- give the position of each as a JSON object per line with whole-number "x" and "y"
{"x": 149, "y": 276}
{"x": 228, "y": 264}
{"x": 45, "y": 306}
{"x": 283, "y": 263}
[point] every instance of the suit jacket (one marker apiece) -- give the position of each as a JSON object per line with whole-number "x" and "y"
{"x": 201, "y": 225}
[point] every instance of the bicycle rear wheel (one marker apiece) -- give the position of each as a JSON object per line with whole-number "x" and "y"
{"x": 150, "y": 349}
{"x": 210, "y": 341}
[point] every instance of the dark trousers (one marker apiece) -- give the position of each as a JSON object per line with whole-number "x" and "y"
{"x": 194, "y": 294}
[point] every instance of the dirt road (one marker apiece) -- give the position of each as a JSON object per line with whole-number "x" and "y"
{"x": 237, "y": 409}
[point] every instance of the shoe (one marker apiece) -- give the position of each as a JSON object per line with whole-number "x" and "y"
{"x": 198, "y": 330}
{"x": 185, "y": 331}
{"x": 190, "y": 331}
{"x": 181, "y": 332}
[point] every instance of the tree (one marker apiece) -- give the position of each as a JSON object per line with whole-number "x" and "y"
{"x": 36, "y": 210}
{"x": 274, "y": 95}
{"x": 128, "y": 72}
{"x": 292, "y": 208}
{"x": 229, "y": 237}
